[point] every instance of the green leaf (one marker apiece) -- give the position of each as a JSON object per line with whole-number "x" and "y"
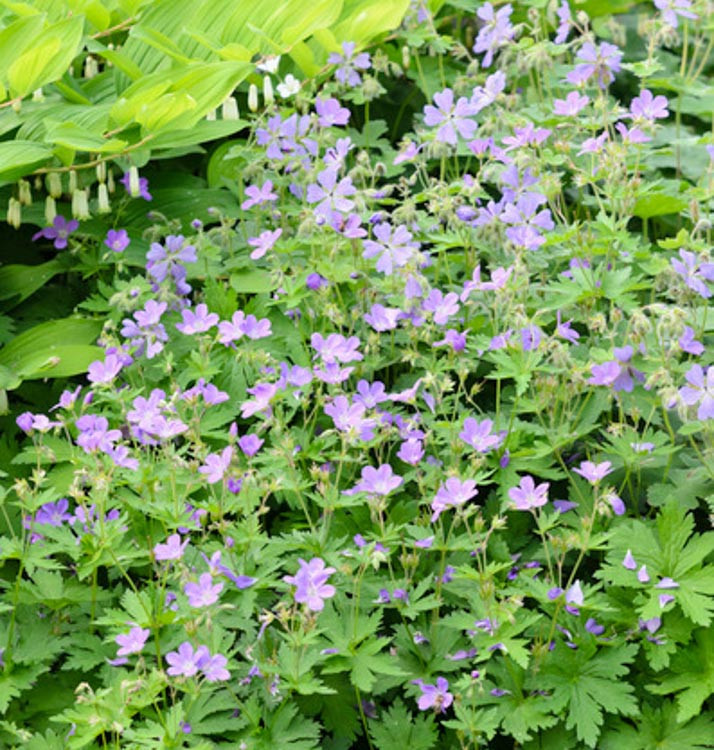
{"x": 58, "y": 348}
{"x": 587, "y": 683}
{"x": 397, "y": 729}
{"x": 48, "y": 57}
{"x": 18, "y": 157}
{"x": 78, "y": 138}
{"x": 658, "y": 204}
{"x": 693, "y": 676}
{"x": 18, "y": 282}
{"x": 659, "y": 729}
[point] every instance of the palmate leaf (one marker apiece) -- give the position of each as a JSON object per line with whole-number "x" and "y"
{"x": 397, "y": 729}
{"x": 659, "y": 729}
{"x": 587, "y": 683}
{"x": 691, "y": 676}
{"x": 286, "y": 729}
{"x": 669, "y": 551}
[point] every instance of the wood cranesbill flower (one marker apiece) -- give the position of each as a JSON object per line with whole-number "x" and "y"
{"x": 435, "y": 696}
{"x": 311, "y": 583}
{"x": 58, "y": 232}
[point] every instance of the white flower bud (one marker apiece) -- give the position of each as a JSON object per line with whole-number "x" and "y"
{"x": 38, "y": 95}
{"x": 268, "y": 91}
{"x": 111, "y": 185}
{"x": 103, "y": 199}
{"x": 24, "y": 193}
{"x": 229, "y": 109}
{"x": 253, "y": 98}
{"x": 73, "y": 185}
{"x": 405, "y": 56}
{"x": 102, "y": 171}
{"x": 91, "y": 67}
{"x": 134, "y": 187}
{"x": 14, "y": 213}
{"x": 54, "y": 184}
{"x": 211, "y": 115}
{"x": 80, "y": 204}
{"x": 50, "y": 209}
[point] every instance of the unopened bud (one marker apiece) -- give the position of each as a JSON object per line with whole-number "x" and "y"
{"x": 253, "y": 98}
{"x": 73, "y": 185}
{"x": 24, "y": 193}
{"x": 102, "y": 171}
{"x": 80, "y": 204}
{"x": 14, "y": 213}
{"x": 50, "y": 209}
{"x": 54, "y": 184}
{"x": 406, "y": 57}
{"x": 103, "y": 199}
{"x": 268, "y": 95}
{"x": 111, "y": 185}
{"x": 134, "y": 187}
{"x": 211, "y": 115}
{"x": 229, "y": 109}
{"x": 38, "y": 95}
{"x": 91, "y": 67}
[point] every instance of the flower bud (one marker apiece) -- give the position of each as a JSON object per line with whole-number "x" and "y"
{"x": 103, "y": 199}
{"x": 54, "y": 184}
{"x": 111, "y": 185}
{"x": 405, "y": 56}
{"x": 50, "y": 209}
{"x": 38, "y": 95}
{"x": 268, "y": 91}
{"x": 134, "y": 186}
{"x": 73, "y": 185}
{"x": 229, "y": 109}
{"x": 80, "y": 204}
{"x": 211, "y": 115}
{"x": 23, "y": 193}
{"x": 14, "y": 213}
{"x": 102, "y": 171}
{"x": 253, "y": 98}
{"x": 91, "y": 67}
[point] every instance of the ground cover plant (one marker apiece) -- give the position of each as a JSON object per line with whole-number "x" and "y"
{"x": 382, "y": 418}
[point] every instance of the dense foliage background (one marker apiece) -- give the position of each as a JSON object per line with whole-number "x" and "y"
{"x": 355, "y": 388}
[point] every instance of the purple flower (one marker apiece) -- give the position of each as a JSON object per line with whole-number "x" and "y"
{"x": 143, "y": 187}
{"x": 443, "y": 306}
{"x": 162, "y": 260}
{"x": 453, "y": 119}
{"x": 642, "y": 575}
{"x": 673, "y": 8}
{"x": 592, "y": 626}
{"x": 527, "y": 495}
{"x": 694, "y": 273}
{"x": 483, "y": 96}
{"x": 603, "y": 61}
{"x": 594, "y": 473}
{"x": 214, "y": 670}
{"x": 330, "y": 112}
{"x": 616, "y": 373}
{"x": 314, "y": 281}
{"x": 258, "y": 195}
{"x": 117, "y": 240}
{"x": 256, "y": 329}
{"x": 132, "y": 642}
{"x": 411, "y": 451}
{"x": 564, "y": 17}
{"x": 379, "y": 481}
{"x": 454, "y": 339}
{"x": 648, "y": 107}
{"x": 571, "y": 105}
{"x": 59, "y": 231}
{"x": 699, "y": 391}
{"x": 263, "y": 242}
{"x": 204, "y": 593}
{"x": 106, "y": 371}
{"x": 496, "y": 32}
{"x": 394, "y": 247}
{"x": 478, "y": 435}
{"x": 185, "y": 662}
{"x": 453, "y": 493}
{"x": 436, "y": 696}
{"x": 526, "y": 221}
{"x": 349, "y": 64}
{"x": 217, "y": 464}
{"x": 250, "y": 444}
{"x": 629, "y": 561}
{"x": 53, "y": 514}
{"x": 311, "y": 582}
{"x": 688, "y": 343}
{"x": 330, "y": 195}
{"x": 667, "y": 583}
{"x": 197, "y": 321}
{"x": 95, "y": 434}
{"x": 173, "y": 549}
{"x": 383, "y": 318}
{"x": 336, "y": 348}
